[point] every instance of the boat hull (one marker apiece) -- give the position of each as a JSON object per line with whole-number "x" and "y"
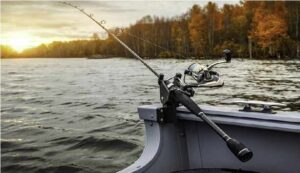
{"x": 191, "y": 144}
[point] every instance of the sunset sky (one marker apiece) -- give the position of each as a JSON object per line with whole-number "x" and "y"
{"x": 30, "y": 23}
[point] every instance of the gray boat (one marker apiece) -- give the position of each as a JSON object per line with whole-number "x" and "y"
{"x": 191, "y": 146}
{"x": 181, "y": 140}
{"x": 184, "y": 141}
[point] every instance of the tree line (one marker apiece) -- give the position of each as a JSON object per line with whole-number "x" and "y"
{"x": 251, "y": 29}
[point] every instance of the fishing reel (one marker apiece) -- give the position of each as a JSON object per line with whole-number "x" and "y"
{"x": 197, "y": 75}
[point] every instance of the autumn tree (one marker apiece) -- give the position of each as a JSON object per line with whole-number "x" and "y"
{"x": 293, "y": 19}
{"x": 8, "y": 52}
{"x": 197, "y": 27}
{"x": 233, "y": 33}
{"x": 180, "y": 36}
{"x": 213, "y": 23}
{"x": 270, "y": 26}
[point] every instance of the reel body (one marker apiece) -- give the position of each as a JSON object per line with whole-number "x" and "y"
{"x": 197, "y": 75}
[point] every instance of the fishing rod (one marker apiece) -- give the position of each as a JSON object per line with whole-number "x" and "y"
{"x": 176, "y": 92}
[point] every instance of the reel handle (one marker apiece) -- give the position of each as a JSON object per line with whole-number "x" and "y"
{"x": 237, "y": 148}
{"x": 227, "y": 55}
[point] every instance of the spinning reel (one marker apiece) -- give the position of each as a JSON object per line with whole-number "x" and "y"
{"x": 197, "y": 75}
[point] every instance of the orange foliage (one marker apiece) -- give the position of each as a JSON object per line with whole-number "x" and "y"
{"x": 270, "y": 26}
{"x": 197, "y": 29}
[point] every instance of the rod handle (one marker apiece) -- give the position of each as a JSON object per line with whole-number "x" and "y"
{"x": 243, "y": 153}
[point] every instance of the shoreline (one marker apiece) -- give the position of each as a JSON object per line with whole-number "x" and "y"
{"x": 241, "y": 58}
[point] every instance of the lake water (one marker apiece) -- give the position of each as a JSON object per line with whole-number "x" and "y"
{"x": 80, "y": 115}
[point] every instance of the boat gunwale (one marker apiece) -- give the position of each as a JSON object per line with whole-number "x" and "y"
{"x": 282, "y": 121}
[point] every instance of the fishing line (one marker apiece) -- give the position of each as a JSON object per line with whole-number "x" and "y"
{"x": 154, "y": 44}
{"x": 113, "y": 35}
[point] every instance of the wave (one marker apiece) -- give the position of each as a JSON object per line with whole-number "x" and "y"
{"x": 106, "y": 106}
{"x": 8, "y": 144}
{"x": 22, "y": 158}
{"x": 65, "y": 140}
{"x": 104, "y": 144}
{"x": 61, "y": 169}
{"x": 14, "y": 168}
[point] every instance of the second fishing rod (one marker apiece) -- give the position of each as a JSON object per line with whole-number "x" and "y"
{"x": 176, "y": 92}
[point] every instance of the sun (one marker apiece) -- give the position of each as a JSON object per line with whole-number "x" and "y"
{"x": 19, "y": 44}
{"x": 20, "y": 41}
